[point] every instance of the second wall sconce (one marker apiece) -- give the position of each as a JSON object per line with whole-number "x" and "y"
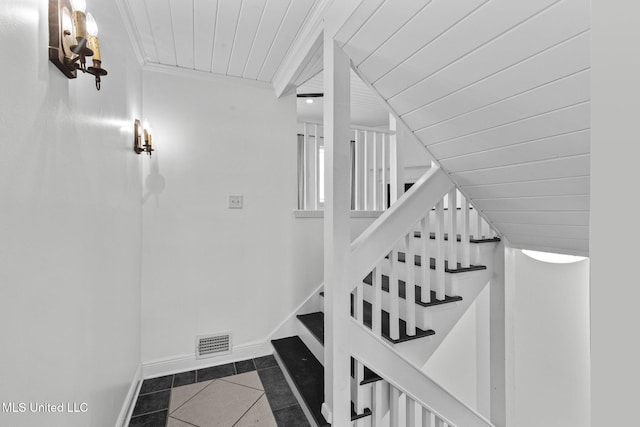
{"x": 73, "y": 36}
{"x": 142, "y": 140}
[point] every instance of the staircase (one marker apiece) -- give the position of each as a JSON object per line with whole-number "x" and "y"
{"x": 402, "y": 309}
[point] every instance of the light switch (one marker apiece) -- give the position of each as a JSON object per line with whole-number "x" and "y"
{"x": 235, "y": 202}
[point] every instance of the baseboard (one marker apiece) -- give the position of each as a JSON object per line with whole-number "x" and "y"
{"x": 188, "y": 362}
{"x": 129, "y": 401}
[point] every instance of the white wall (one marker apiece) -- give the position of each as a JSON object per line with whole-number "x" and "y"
{"x": 208, "y": 268}
{"x": 551, "y": 333}
{"x": 548, "y": 375}
{"x": 70, "y": 245}
{"x": 615, "y": 348}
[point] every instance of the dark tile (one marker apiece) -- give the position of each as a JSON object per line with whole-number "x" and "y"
{"x": 291, "y": 416}
{"x": 265, "y": 362}
{"x": 245, "y": 366}
{"x": 215, "y": 372}
{"x": 157, "y": 419}
{"x": 184, "y": 378}
{"x": 156, "y": 384}
{"x": 152, "y": 402}
{"x": 276, "y": 388}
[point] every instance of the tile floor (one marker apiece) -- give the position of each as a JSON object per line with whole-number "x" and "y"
{"x": 252, "y": 392}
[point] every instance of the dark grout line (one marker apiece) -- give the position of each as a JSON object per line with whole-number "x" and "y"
{"x": 152, "y": 412}
{"x": 245, "y": 412}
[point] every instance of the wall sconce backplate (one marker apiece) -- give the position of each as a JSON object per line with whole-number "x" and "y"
{"x": 61, "y": 37}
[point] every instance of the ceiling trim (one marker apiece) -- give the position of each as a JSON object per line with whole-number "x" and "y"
{"x": 203, "y": 75}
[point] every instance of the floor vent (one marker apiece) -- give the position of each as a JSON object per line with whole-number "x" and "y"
{"x": 213, "y": 345}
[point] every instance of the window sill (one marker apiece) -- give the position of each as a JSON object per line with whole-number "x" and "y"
{"x": 320, "y": 214}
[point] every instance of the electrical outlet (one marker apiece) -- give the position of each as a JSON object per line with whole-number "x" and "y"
{"x": 235, "y": 202}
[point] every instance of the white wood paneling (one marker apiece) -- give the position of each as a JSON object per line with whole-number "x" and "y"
{"x": 561, "y": 60}
{"x": 563, "y": 120}
{"x": 357, "y": 19}
{"x": 182, "y": 18}
{"x": 159, "y": 15}
{"x": 297, "y": 13}
{"x": 548, "y": 203}
{"x": 565, "y": 145}
{"x": 484, "y": 25}
{"x": 139, "y": 10}
{"x": 560, "y": 231}
{"x": 272, "y": 18}
{"x": 248, "y": 22}
{"x": 556, "y": 168}
{"x": 391, "y": 15}
{"x": 545, "y": 187}
{"x": 240, "y": 38}
{"x": 225, "y": 35}
{"x": 561, "y": 93}
{"x": 524, "y": 41}
{"x": 544, "y": 218}
{"x": 205, "y": 13}
{"x": 428, "y": 24}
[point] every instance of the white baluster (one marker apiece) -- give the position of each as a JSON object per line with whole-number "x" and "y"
{"x": 312, "y": 175}
{"x": 394, "y": 303}
{"x": 358, "y": 171}
{"x": 452, "y": 231}
{"x": 380, "y": 403}
{"x": 359, "y": 298}
{"x": 479, "y": 231}
{"x": 425, "y": 268}
{"x": 394, "y": 407}
{"x": 439, "y": 422}
{"x": 440, "y": 276}
{"x": 360, "y": 397}
{"x": 410, "y": 285}
{"x": 374, "y": 174}
{"x": 305, "y": 166}
{"x": 427, "y": 418}
{"x": 384, "y": 170}
{"x": 316, "y": 168}
{"x": 464, "y": 234}
{"x": 411, "y": 412}
{"x": 376, "y": 309}
{"x": 365, "y": 183}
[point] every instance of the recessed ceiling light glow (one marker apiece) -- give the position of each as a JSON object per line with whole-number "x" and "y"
{"x": 309, "y": 100}
{"x": 552, "y": 257}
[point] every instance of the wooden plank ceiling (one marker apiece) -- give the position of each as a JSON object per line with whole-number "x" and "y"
{"x": 498, "y": 92}
{"x": 239, "y": 38}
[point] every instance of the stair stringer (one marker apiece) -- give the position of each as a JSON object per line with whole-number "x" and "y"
{"x": 405, "y": 376}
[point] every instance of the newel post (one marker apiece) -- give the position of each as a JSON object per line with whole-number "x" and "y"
{"x": 336, "y": 407}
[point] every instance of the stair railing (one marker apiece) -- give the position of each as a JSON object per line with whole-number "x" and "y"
{"x": 370, "y": 168}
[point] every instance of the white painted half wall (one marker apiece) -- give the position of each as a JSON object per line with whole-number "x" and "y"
{"x": 70, "y": 224}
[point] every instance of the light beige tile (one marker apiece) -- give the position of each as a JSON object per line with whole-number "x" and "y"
{"x": 249, "y": 379}
{"x": 220, "y": 404}
{"x": 172, "y": 422}
{"x": 259, "y": 415}
{"x": 181, "y": 394}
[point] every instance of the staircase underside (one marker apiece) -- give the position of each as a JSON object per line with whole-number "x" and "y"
{"x": 498, "y": 93}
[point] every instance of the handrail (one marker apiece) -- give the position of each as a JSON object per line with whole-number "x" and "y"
{"x": 401, "y": 374}
{"x": 374, "y": 243}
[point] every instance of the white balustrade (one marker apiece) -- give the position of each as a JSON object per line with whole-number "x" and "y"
{"x": 370, "y": 168}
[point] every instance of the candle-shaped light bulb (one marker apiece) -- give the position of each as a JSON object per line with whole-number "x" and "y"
{"x": 92, "y": 38}
{"x": 92, "y": 26}
{"x": 80, "y": 5}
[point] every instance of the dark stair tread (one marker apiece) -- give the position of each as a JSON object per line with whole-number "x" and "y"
{"x": 403, "y": 337}
{"x": 402, "y": 288}
{"x": 315, "y": 323}
{"x": 432, "y": 236}
{"x": 306, "y": 372}
{"x": 418, "y": 262}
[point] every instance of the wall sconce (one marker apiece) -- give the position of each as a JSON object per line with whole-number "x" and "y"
{"x": 141, "y": 135}
{"x": 73, "y": 36}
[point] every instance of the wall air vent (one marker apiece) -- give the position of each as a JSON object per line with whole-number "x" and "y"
{"x": 213, "y": 345}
